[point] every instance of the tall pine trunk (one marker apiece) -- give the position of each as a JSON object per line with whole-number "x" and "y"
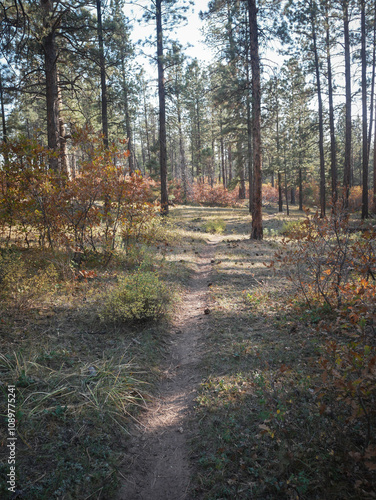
{"x": 103, "y": 74}
{"x": 183, "y": 162}
{"x": 52, "y": 91}
{"x": 300, "y": 179}
{"x": 162, "y": 111}
{"x": 313, "y": 7}
{"x": 147, "y": 128}
{"x": 364, "y": 111}
{"x": 128, "y": 127}
{"x": 257, "y": 230}
{"x": 371, "y": 106}
{"x": 374, "y": 171}
{"x": 300, "y": 190}
{"x": 280, "y": 197}
{"x": 241, "y": 171}
{"x": 347, "y": 164}
{"x": 3, "y": 120}
{"x": 333, "y": 146}
{"x": 249, "y": 122}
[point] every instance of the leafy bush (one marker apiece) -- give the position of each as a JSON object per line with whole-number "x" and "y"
{"x": 143, "y": 225}
{"x": 176, "y": 192}
{"x": 356, "y": 198}
{"x": 212, "y": 196}
{"x": 140, "y": 296}
{"x": 269, "y": 194}
{"x": 327, "y": 258}
{"x": 215, "y": 226}
{"x": 80, "y": 212}
{"x": 335, "y": 268}
{"x": 290, "y": 227}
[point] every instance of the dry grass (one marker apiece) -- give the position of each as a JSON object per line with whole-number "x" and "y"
{"x": 262, "y": 432}
{"x": 80, "y": 382}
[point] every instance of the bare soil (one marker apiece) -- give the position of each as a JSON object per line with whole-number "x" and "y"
{"x": 157, "y": 465}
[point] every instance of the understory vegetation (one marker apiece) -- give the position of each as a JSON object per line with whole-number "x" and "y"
{"x": 83, "y": 367}
{"x": 85, "y": 287}
{"x": 90, "y": 276}
{"x": 287, "y": 408}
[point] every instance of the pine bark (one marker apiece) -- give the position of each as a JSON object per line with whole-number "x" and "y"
{"x": 103, "y": 74}
{"x": 280, "y": 197}
{"x": 52, "y": 97}
{"x": 300, "y": 190}
{"x": 249, "y": 130}
{"x": 257, "y": 229}
{"x": 313, "y": 6}
{"x": 162, "y": 112}
{"x": 348, "y": 128}
{"x": 333, "y": 146}
{"x": 3, "y": 120}
{"x": 365, "y": 213}
{"x": 374, "y": 171}
{"x": 183, "y": 162}
{"x": 128, "y": 128}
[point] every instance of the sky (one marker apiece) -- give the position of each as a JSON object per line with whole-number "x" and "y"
{"x": 189, "y": 35}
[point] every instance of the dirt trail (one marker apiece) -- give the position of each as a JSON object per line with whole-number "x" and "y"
{"x": 157, "y": 464}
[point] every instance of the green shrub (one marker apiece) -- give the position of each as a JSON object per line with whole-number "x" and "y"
{"x": 290, "y": 227}
{"x": 140, "y": 296}
{"x": 215, "y": 226}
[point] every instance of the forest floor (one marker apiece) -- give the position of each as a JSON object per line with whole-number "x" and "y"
{"x": 166, "y": 458}
{"x": 157, "y": 464}
{"x": 236, "y": 414}
{"x": 219, "y": 400}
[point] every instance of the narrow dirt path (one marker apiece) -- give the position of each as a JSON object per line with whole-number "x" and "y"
{"x": 157, "y": 464}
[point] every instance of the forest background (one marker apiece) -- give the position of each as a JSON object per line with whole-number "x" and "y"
{"x": 96, "y": 151}
{"x": 68, "y": 69}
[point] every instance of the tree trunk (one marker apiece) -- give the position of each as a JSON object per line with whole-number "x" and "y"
{"x": 257, "y": 230}
{"x": 249, "y": 128}
{"x": 52, "y": 97}
{"x": 300, "y": 190}
{"x": 64, "y": 163}
{"x": 374, "y": 172}
{"x": 333, "y": 146}
{"x": 222, "y": 155}
{"x": 3, "y": 121}
{"x": 371, "y": 107}
{"x": 249, "y": 152}
{"x": 103, "y": 74}
{"x": 63, "y": 156}
{"x": 300, "y": 175}
{"x": 347, "y": 164}
{"x": 320, "y": 106}
{"x": 162, "y": 111}
{"x": 241, "y": 171}
{"x": 229, "y": 150}
{"x": 292, "y": 192}
{"x": 183, "y": 163}
{"x": 365, "y": 213}
{"x": 280, "y": 197}
{"x": 286, "y": 194}
{"x": 199, "y": 160}
{"x": 128, "y": 127}
{"x": 147, "y": 129}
